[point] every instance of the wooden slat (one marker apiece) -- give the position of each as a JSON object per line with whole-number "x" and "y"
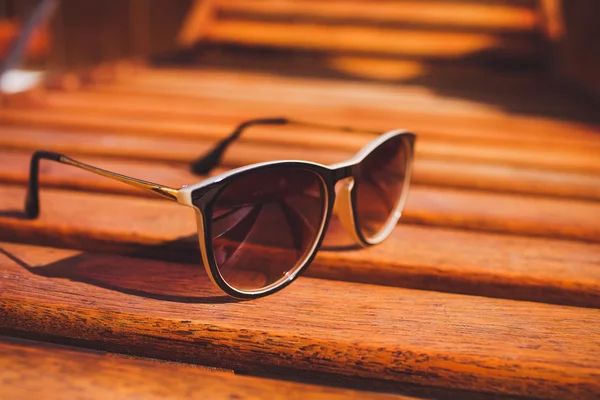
{"x": 377, "y": 332}
{"x": 506, "y": 179}
{"x": 514, "y": 94}
{"x": 581, "y": 160}
{"x": 155, "y": 148}
{"x": 214, "y": 92}
{"x": 420, "y": 257}
{"x": 150, "y": 121}
{"x": 537, "y": 180}
{"x": 470, "y": 127}
{"x": 495, "y": 212}
{"x": 224, "y": 105}
{"x": 506, "y": 84}
{"x": 15, "y": 169}
{"x": 497, "y": 17}
{"x": 28, "y": 369}
{"x": 405, "y": 42}
{"x": 515, "y": 214}
{"x": 209, "y": 118}
{"x": 197, "y": 105}
{"x": 491, "y": 212}
{"x": 536, "y": 216}
{"x": 354, "y": 316}
{"x": 157, "y": 123}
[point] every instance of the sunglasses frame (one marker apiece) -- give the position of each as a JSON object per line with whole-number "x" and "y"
{"x": 202, "y": 197}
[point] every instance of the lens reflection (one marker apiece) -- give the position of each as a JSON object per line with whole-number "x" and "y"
{"x": 265, "y": 223}
{"x": 379, "y": 185}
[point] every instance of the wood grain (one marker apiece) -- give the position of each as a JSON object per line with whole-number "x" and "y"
{"x": 144, "y": 307}
{"x": 210, "y": 93}
{"x": 463, "y": 162}
{"x": 503, "y": 208}
{"x": 200, "y": 105}
{"x": 548, "y": 150}
{"x": 460, "y": 208}
{"x": 140, "y": 95}
{"x": 495, "y": 17}
{"x": 514, "y": 214}
{"x": 521, "y": 101}
{"x": 498, "y": 155}
{"x": 28, "y": 369}
{"x": 506, "y": 179}
{"x": 404, "y": 42}
{"x": 456, "y": 174}
{"x": 561, "y": 157}
{"x": 582, "y": 161}
{"x": 429, "y": 258}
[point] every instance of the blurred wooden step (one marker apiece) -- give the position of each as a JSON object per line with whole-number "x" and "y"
{"x": 406, "y": 43}
{"x": 499, "y": 17}
{"x": 29, "y": 368}
{"x": 356, "y": 331}
{"x": 423, "y": 30}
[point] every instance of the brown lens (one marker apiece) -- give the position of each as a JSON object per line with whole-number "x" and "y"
{"x": 265, "y": 224}
{"x": 379, "y": 185}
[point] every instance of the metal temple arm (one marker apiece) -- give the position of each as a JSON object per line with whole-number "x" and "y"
{"x": 210, "y": 160}
{"x": 32, "y": 201}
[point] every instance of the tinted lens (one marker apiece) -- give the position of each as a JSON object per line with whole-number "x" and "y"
{"x": 379, "y": 185}
{"x": 265, "y": 224}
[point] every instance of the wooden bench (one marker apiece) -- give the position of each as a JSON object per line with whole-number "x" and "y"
{"x": 489, "y": 287}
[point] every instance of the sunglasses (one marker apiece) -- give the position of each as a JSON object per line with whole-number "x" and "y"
{"x": 260, "y": 226}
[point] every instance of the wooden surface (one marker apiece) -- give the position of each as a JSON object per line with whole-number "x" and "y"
{"x": 28, "y": 368}
{"x": 429, "y": 30}
{"x": 488, "y": 288}
{"x": 105, "y": 300}
{"x": 509, "y": 17}
{"x": 467, "y": 262}
{"x": 456, "y": 240}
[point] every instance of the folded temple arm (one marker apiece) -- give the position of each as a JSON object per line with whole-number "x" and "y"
{"x": 210, "y": 160}
{"x": 32, "y": 202}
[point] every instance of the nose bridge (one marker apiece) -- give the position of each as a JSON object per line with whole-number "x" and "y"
{"x": 341, "y": 171}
